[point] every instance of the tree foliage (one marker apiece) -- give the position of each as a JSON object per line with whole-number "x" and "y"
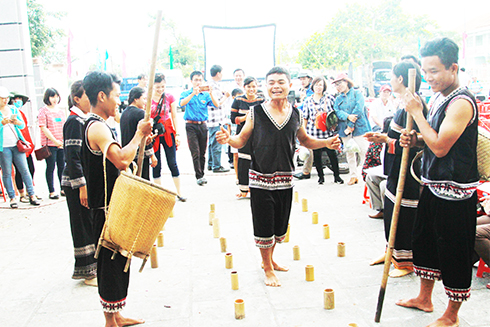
{"x": 361, "y": 33}
{"x": 43, "y": 36}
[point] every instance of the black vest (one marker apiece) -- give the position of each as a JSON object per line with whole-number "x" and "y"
{"x": 460, "y": 164}
{"x": 94, "y": 170}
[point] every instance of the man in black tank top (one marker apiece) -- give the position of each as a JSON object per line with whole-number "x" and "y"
{"x": 103, "y": 94}
{"x": 444, "y": 229}
{"x": 272, "y": 129}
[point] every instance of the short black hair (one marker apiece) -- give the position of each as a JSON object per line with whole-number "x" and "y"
{"x": 115, "y": 78}
{"x": 215, "y": 70}
{"x": 159, "y": 77}
{"x": 238, "y": 70}
{"x": 135, "y": 93}
{"x": 401, "y": 69}
{"x": 445, "y": 48}
{"x": 411, "y": 57}
{"x": 279, "y": 70}
{"x": 248, "y": 80}
{"x": 141, "y": 76}
{"x": 50, "y": 92}
{"x": 76, "y": 90}
{"x": 236, "y": 92}
{"x": 195, "y": 73}
{"x": 96, "y": 82}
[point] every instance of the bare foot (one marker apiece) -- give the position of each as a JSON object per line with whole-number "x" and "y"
{"x": 377, "y": 261}
{"x": 121, "y": 321}
{"x": 91, "y": 282}
{"x": 277, "y": 267}
{"x": 400, "y": 272}
{"x": 271, "y": 279}
{"x": 444, "y": 322}
{"x": 416, "y": 304}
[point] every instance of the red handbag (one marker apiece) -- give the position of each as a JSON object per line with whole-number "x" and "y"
{"x": 23, "y": 146}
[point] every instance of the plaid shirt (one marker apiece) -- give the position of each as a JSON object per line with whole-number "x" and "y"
{"x": 54, "y": 121}
{"x": 216, "y": 116}
{"x": 310, "y": 110}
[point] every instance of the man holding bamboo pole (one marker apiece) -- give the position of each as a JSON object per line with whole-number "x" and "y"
{"x": 98, "y": 138}
{"x": 444, "y": 229}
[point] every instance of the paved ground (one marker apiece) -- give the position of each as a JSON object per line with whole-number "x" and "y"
{"x": 191, "y": 287}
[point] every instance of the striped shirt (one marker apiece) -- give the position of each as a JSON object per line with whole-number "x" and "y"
{"x": 54, "y": 121}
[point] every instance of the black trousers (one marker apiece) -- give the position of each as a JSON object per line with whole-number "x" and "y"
{"x": 197, "y": 139}
{"x": 82, "y": 232}
{"x": 112, "y": 281}
{"x": 317, "y": 161}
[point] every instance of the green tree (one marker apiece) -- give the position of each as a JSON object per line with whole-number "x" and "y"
{"x": 43, "y": 37}
{"x": 361, "y": 33}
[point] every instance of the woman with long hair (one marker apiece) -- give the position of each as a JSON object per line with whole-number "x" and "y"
{"x": 74, "y": 185}
{"x": 402, "y": 253}
{"x": 353, "y": 121}
{"x": 51, "y": 120}
{"x": 239, "y": 111}
{"x": 315, "y": 104}
{"x": 11, "y": 124}
{"x": 164, "y": 105}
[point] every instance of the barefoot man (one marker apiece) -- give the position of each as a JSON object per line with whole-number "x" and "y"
{"x": 103, "y": 94}
{"x": 444, "y": 229}
{"x": 272, "y": 128}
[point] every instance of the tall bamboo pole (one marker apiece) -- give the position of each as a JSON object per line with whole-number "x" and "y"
{"x": 398, "y": 201}
{"x": 150, "y": 88}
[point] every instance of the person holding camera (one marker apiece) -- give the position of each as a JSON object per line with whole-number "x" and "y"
{"x": 196, "y": 102}
{"x": 164, "y": 114}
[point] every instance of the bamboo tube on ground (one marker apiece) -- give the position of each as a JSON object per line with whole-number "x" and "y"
{"x": 296, "y": 253}
{"x": 286, "y": 239}
{"x": 160, "y": 240}
{"x": 304, "y": 203}
{"x": 314, "y": 218}
{"x": 212, "y": 215}
{"x": 222, "y": 243}
{"x": 228, "y": 261}
{"x": 234, "y": 280}
{"x": 328, "y": 299}
{"x": 310, "y": 273}
{"x": 216, "y": 228}
{"x": 212, "y": 207}
{"x": 341, "y": 249}
{"x": 326, "y": 231}
{"x": 154, "y": 257}
{"x": 239, "y": 309}
{"x": 296, "y": 197}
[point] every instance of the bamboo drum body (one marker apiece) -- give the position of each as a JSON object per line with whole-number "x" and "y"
{"x": 328, "y": 299}
{"x": 212, "y": 215}
{"x": 239, "y": 309}
{"x": 310, "y": 273}
{"x": 212, "y": 207}
{"x": 296, "y": 197}
{"x": 228, "y": 261}
{"x": 234, "y": 280}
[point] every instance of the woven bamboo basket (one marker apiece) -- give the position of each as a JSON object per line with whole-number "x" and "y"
{"x": 137, "y": 212}
{"x": 483, "y": 153}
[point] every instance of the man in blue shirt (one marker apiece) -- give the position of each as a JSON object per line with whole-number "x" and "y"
{"x": 195, "y": 102}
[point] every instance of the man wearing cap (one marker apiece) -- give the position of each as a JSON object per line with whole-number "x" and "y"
{"x": 381, "y": 108}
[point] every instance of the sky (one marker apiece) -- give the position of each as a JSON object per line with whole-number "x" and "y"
{"x": 123, "y": 25}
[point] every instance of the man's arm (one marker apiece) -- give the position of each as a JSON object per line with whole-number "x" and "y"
{"x": 314, "y": 143}
{"x": 99, "y": 137}
{"x": 188, "y": 98}
{"x": 458, "y": 115}
{"x": 215, "y": 103}
{"x": 236, "y": 141}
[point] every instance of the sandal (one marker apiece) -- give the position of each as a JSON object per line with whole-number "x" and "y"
{"x": 13, "y": 204}
{"x": 242, "y": 195}
{"x": 24, "y": 199}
